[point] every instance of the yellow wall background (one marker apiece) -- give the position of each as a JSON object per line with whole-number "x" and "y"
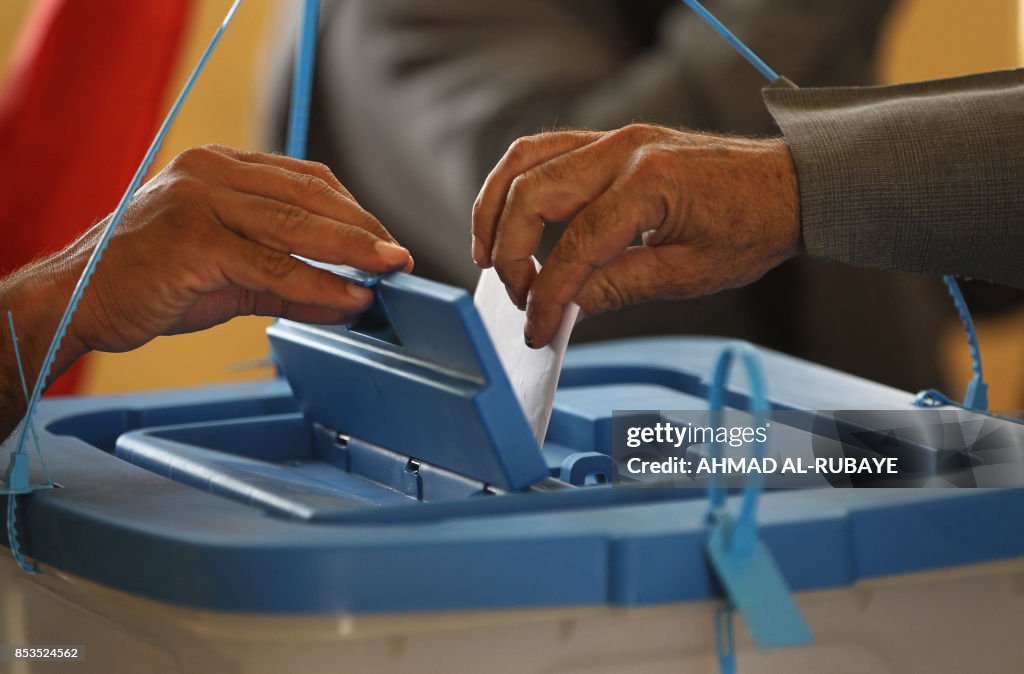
{"x": 925, "y": 39}
{"x": 221, "y": 109}
{"x": 928, "y": 39}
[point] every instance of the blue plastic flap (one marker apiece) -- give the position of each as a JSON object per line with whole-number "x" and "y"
{"x": 418, "y": 376}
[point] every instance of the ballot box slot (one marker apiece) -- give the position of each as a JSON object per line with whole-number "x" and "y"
{"x": 376, "y": 324}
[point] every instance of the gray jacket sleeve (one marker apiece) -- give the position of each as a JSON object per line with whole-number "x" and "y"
{"x": 925, "y": 178}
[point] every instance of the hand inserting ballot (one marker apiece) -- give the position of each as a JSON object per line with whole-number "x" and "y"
{"x": 711, "y": 213}
{"x": 207, "y": 239}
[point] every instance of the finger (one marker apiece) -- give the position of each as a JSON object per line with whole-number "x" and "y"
{"x": 554, "y": 191}
{"x": 223, "y": 304}
{"x": 303, "y": 189}
{"x": 314, "y": 168}
{"x": 596, "y": 237}
{"x": 289, "y": 228}
{"x": 644, "y": 274}
{"x": 268, "y": 304}
{"x": 309, "y": 191}
{"x": 307, "y": 183}
{"x": 521, "y": 156}
{"x": 313, "y": 186}
{"x": 260, "y": 269}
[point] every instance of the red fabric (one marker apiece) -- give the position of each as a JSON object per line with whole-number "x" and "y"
{"x": 86, "y": 91}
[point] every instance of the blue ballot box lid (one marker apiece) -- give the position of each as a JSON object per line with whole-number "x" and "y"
{"x": 160, "y": 532}
{"x": 262, "y": 498}
{"x": 417, "y": 375}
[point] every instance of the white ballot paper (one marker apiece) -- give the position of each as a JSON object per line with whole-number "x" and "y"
{"x": 533, "y": 372}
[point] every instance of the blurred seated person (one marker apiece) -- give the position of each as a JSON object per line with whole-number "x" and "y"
{"x": 415, "y": 102}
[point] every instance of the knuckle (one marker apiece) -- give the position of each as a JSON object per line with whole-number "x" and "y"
{"x": 217, "y": 149}
{"x": 246, "y": 302}
{"x": 188, "y": 157}
{"x": 292, "y": 218}
{"x": 604, "y": 295}
{"x": 572, "y": 249}
{"x": 185, "y": 187}
{"x": 503, "y": 259}
{"x": 275, "y": 264}
{"x": 628, "y": 134}
{"x": 521, "y": 147}
{"x": 552, "y": 174}
{"x": 523, "y": 185}
{"x": 312, "y": 185}
{"x": 650, "y": 160}
{"x": 193, "y": 158}
{"x": 369, "y": 224}
{"x": 319, "y": 169}
{"x": 635, "y": 134}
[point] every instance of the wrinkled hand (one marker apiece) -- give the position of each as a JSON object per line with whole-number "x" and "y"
{"x": 711, "y": 213}
{"x": 210, "y": 237}
{"x": 207, "y": 239}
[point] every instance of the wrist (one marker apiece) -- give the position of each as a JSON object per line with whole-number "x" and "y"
{"x": 36, "y": 296}
{"x": 787, "y": 185}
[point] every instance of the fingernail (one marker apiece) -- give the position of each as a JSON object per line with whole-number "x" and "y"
{"x": 391, "y": 253}
{"x": 361, "y": 294}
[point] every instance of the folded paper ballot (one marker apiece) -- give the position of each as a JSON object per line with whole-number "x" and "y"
{"x": 532, "y": 372}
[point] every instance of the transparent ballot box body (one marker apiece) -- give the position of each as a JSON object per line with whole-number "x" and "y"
{"x": 384, "y": 507}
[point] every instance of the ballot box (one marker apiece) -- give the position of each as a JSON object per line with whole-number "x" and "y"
{"x": 384, "y": 507}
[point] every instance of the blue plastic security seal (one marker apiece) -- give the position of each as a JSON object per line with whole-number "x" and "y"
{"x": 17, "y": 478}
{"x": 743, "y": 563}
